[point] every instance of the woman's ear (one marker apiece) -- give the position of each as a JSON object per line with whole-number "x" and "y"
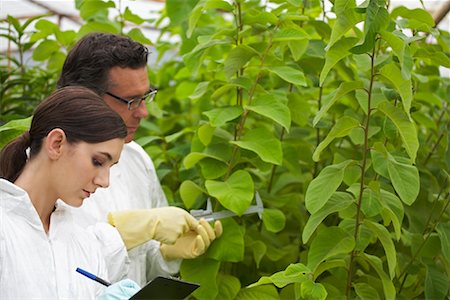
{"x": 54, "y": 142}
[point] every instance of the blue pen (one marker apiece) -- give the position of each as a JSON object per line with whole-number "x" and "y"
{"x": 93, "y": 277}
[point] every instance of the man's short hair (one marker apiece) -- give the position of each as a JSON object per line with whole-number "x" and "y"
{"x": 89, "y": 61}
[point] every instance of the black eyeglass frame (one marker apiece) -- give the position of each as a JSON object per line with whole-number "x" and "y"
{"x": 149, "y": 97}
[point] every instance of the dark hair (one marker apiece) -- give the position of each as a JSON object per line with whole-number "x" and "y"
{"x": 89, "y": 61}
{"x": 78, "y": 111}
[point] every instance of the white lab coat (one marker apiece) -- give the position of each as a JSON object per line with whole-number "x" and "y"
{"x": 37, "y": 265}
{"x": 133, "y": 185}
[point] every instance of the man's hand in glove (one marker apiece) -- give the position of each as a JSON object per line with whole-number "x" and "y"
{"x": 193, "y": 243}
{"x": 164, "y": 224}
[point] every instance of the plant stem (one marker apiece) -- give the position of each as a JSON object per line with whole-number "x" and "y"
{"x": 274, "y": 167}
{"x": 240, "y": 126}
{"x": 363, "y": 171}
{"x": 319, "y": 106}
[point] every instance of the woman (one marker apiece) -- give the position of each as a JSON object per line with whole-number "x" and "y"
{"x": 73, "y": 141}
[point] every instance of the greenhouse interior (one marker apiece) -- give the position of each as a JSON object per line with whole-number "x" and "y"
{"x": 225, "y": 149}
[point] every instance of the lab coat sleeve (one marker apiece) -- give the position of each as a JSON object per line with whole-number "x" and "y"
{"x": 156, "y": 264}
{"x": 113, "y": 250}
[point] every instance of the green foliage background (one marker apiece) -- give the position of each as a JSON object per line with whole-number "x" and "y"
{"x": 338, "y": 119}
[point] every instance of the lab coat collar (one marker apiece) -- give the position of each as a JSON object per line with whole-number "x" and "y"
{"x": 21, "y": 205}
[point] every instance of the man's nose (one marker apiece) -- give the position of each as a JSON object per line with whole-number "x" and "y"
{"x": 141, "y": 111}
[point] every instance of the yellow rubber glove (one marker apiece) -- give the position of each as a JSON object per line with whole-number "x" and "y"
{"x": 193, "y": 243}
{"x": 165, "y": 224}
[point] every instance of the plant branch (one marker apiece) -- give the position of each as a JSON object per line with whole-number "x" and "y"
{"x": 363, "y": 171}
{"x": 319, "y": 106}
{"x": 274, "y": 167}
{"x": 240, "y": 126}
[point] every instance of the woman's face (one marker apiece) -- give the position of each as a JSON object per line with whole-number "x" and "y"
{"x": 84, "y": 167}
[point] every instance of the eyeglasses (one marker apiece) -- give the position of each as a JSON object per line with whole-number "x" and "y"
{"x": 136, "y": 102}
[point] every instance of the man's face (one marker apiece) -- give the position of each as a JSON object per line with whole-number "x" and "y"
{"x": 128, "y": 83}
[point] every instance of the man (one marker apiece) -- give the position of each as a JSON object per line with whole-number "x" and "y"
{"x": 115, "y": 67}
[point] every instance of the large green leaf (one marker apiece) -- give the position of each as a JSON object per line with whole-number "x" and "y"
{"x": 384, "y": 236}
{"x": 298, "y": 48}
{"x": 300, "y": 109}
{"x": 273, "y": 108}
{"x": 235, "y": 194}
{"x": 13, "y": 129}
{"x": 203, "y": 271}
{"x": 343, "y": 89}
{"x": 388, "y": 286}
{"x": 229, "y": 286}
{"x": 337, "y": 202}
{"x": 179, "y": 10}
{"x": 392, "y": 211}
{"x": 290, "y": 34}
{"x": 377, "y": 19}
{"x": 336, "y": 53}
{"x": 365, "y": 291}
{"x": 405, "y": 128}
{"x": 346, "y": 21}
{"x": 405, "y": 179}
{"x": 293, "y": 273}
{"x": 313, "y": 290}
{"x": 194, "y": 59}
{"x": 194, "y": 16}
{"x": 324, "y": 185}
{"x": 417, "y": 14}
{"x": 189, "y": 192}
{"x": 237, "y": 58}
{"x": 443, "y": 230}
{"x": 91, "y": 9}
{"x": 274, "y": 219}
{"x": 329, "y": 242}
{"x": 130, "y": 16}
{"x": 289, "y": 74}
{"x": 137, "y": 35}
{"x": 220, "y": 116}
{"x": 370, "y": 205}
{"x": 45, "y": 49}
{"x": 328, "y": 265}
{"x": 230, "y": 245}
{"x": 403, "y": 86}
{"x": 403, "y": 52}
{"x": 217, "y": 151}
{"x": 267, "y": 292}
{"x": 342, "y": 128}
{"x": 436, "y": 283}
{"x": 262, "y": 142}
{"x": 340, "y": 6}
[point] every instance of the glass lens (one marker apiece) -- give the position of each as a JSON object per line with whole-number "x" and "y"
{"x": 149, "y": 97}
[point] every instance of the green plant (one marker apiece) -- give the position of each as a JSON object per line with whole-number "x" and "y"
{"x": 330, "y": 123}
{"x": 22, "y": 85}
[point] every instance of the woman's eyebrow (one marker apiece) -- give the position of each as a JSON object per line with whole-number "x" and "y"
{"x": 108, "y": 156}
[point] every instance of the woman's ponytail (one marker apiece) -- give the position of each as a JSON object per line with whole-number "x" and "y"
{"x": 14, "y": 156}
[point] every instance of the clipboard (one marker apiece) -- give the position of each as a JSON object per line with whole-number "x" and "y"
{"x": 165, "y": 288}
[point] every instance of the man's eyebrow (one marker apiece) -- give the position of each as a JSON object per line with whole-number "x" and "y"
{"x": 141, "y": 95}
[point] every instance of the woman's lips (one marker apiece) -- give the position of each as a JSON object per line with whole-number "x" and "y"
{"x": 87, "y": 193}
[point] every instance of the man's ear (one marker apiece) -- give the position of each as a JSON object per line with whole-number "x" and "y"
{"x": 54, "y": 143}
